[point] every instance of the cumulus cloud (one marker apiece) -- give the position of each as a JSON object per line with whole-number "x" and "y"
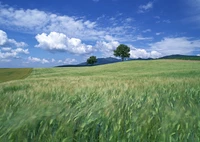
{"x": 60, "y": 42}
{"x": 178, "y": 45}
{"x": 38, "y": 21}
{"x": 5, "y": 41}
{"x": 142, "y": 53}
{"x": 9, "y": 48}
{"x": 37, "y": 60}
{"x": 34, "y": 20}
{"x": 145, "y": 8}
{"x": 6, "y": 49}
{"x": 68, "y": 61}
{"x": 107, "y": 48}
{"x": 3, "y": 37}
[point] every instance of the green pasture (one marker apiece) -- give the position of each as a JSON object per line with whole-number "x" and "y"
{"x": 7, "y": 74}
{"x": 133, "y": 101}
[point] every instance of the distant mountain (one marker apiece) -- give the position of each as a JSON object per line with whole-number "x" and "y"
{"x": 109, "y": 60}
{"x": 181, "y": 57}
{"x": 101, "y": 61}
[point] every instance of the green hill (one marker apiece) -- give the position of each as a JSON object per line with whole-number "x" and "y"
{"x": 156, "y": 100}
{"x": 181, "y": 57}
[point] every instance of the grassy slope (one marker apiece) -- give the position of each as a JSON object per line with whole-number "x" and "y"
{"x": 131, "y": 101}
{"x": 13, "y": 74}
{"x": 181, "y": 57}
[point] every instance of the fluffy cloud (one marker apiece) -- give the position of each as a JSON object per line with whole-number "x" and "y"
{"x": 60, "y": 42}
{"x": 5, "y": 41}
{"x": 68, "y": 61}
{"x": 107, "y": 48}
{"x": 9, "y": 48}
{"x": 3, "y": 37}
{"x": 179, "y": 45}
{"x": 30, "y": 19}
{"x": 34, "y": 20}
{"x": 144, "y": 8}
{"x": 142, "y": 53}
{"x": 37, "y": 21}
{"x": 37, "y": 60}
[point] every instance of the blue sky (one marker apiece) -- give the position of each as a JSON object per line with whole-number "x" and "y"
{"x": 46, "y": 33}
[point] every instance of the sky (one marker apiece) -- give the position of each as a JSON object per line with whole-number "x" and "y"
{"x": 47, "y": 33}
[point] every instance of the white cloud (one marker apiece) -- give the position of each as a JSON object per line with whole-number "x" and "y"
{"x": 107, "y": 48}
{"x": 178, "y": 45}
{"x": 37, "y": 60}
{"x": 3, "y": 37}
{"x": 53, "y": 60}
{"x": 129, "y": 19}
{"x": 8, "y": 47}
{"x": 60, "y": 42}
{"x": 37, "y": 21}
{"x": 30, "y": 19}
{"x": 198, "y": 54}
{"x": 142, "y": 53}
{"x": 4, "y": 41}
{"x": 140, "y": 37}
{"x": 34, "y": 20}
{"x": 69, "y": 61}
{"x": 60, "y": 61}
{"x": 20, "y": 50}
{"x": 145, "y": 8}
{"x": 164, "y": 21}
{"x": 159, "y": 33}
{"x": 147, "y": 30}
{"x": 17, "y": 44}
{"x": 7, "y": 55}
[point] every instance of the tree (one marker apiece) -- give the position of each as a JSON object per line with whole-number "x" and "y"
{"x": 92, "y": 60}
{"x": 122, "y": 51}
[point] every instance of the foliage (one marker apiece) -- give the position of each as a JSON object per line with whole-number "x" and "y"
{"x": 156, "y": 100}
{"x": 122, "y": 51}
{"x": 91, "y": 60}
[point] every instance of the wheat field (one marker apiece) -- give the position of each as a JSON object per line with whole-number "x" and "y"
{"x": 133, "y": 101}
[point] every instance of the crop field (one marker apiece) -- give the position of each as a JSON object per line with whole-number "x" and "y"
{"x": 133, "y": 101}
{"x": 13, "y": 74}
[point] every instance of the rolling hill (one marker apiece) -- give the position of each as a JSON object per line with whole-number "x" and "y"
{"x": 154, "y": 100}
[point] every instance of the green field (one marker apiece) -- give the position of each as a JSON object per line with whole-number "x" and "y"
{"x": 133, "y": 101}
{"x": 13, "y": 74}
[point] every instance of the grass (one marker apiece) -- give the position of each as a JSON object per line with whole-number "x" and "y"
{"x": 131, "y": 101}
{"x": 13, "y": 74}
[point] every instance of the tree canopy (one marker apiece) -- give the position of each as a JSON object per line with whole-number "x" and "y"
{"x": 122, "y": 51}
{"x": 91, "y": 60}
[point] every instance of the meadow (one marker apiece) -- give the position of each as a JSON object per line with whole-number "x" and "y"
{"x": 14, "y": 74}
{"x": 133, "y": 101}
